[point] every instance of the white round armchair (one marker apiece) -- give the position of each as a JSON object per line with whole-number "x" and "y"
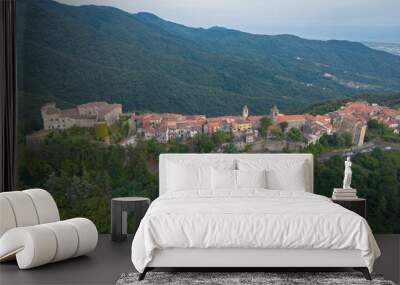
{"x": 31, "y": 230}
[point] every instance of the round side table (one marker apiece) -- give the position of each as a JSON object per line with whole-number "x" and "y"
{"x": 119, "y": 214}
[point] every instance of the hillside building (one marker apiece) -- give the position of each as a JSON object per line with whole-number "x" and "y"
{"x": 84, "y": 116}
{"x": 351, "y": 125}
{"x": 293, "y": 121}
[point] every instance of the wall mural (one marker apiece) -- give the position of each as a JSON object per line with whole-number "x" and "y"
{"x": 102, "y": 92}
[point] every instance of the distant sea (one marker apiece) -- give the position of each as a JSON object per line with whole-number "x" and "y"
{"x": 388, "y": 47}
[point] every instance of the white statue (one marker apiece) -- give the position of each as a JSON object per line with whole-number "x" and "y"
{"x": 347, "y": 174}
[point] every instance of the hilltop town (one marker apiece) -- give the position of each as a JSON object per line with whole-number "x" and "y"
{"x": 272, "y": 131}
{"x": 351, "y": 119}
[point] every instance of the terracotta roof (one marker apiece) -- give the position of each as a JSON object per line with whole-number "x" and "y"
{"x": 310, "y": 117}
{"x": 361, "y": 107}
{"x": 321, "y": 119}
{"x": 93, "y": 105}
{"x": 254, "y": 118}
{"x": 285, "y": 118}
{"x": 171, "y": 116}
{"x": 74, "y": 114}
{"x": 391, "y": 112}
{"x": 195, "y": 117}
{"x": 215, "y": 120}
{"x": 52, "y": 111}
{"x": 223, "y": 118}
{"x": 241, "y": 120}
{"x": 214, "y": 123}
{"x": 150, "y": 116}
{"x": 108, "y": 108}
{"x": 168, "y": 123}
{"x": 188, "y": 124}
{"x": 103, "y": 107}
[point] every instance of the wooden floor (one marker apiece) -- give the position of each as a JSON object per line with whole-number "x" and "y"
{"x": 104, "y": 266}
{"x": 110, "y": 260}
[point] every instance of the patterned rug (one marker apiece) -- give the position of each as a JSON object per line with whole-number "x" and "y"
{"x": 243, "y": 278}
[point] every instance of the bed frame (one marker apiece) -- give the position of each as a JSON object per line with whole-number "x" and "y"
{"x": 246, "y": 258}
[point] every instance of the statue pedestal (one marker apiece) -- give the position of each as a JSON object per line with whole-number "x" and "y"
{"x": 343, "y": 194}
{"x": 345, "y": 190}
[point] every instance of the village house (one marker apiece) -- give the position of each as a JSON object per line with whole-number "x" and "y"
{"x": 316, "y": 126}
{"x": 354, "y": 116}
{"x": 293, "y": 121}
{"x": 254, "y": 121}
{"x": 240, "y": 125}
{"x": 351, "y": 118}
{"x": 353, "y": 125}
{"x": 149, "y": 133}
{"x": 213, "y": 125}
{"x": 164, "y": 127}
{"x": 162, "y": 134}
{"x": 390, "y": 118}
{"x": 364, "y": 111}
{"x": 251, "y": 136}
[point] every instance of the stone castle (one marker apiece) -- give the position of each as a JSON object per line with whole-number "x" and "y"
{"x": 85, "y": 115}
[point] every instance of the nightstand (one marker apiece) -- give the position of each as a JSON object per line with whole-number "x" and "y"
{"x": 119, "y": 214}
{"x": 357, "y": 205}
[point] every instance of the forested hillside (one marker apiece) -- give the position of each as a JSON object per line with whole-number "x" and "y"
{"x": 83, "y": 176}
{"x": 376, "y": 176}
{"x": 72, "y": 55}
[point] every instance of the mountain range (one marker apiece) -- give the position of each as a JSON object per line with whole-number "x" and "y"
{"x": 75, "y": 54}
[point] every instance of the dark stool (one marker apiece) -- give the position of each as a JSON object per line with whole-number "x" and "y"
{"x": 119, "y": 214}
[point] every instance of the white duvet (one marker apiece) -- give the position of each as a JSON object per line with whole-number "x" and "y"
{"x": 250, "y": 219}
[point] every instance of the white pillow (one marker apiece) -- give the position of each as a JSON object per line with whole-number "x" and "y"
{"x": 282, "y": 174}
{"x": 251, "y": 178}
{"x": 279, "y": 180}
{"x": 224, "y": 179}
{"x": 184, "y": 178}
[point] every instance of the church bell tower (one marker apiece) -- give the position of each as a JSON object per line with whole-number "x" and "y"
{"x": 245, "y": 112}
{"x": 274, "y": 113}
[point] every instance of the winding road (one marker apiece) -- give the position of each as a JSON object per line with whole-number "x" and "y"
{"x": 365, "y": 148}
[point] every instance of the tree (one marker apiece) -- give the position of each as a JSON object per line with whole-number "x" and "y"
{"x": 374, "y": 124}
{"x": 82, "y": 175}
{"x": 221, "y": 137}
{"x": 283, "y": 126}
{"x": 154, "y": 148}
{"x": 347, "y": 139}
{"x": 294, "y": 135}
{"x": 101, "y": 131}
{"x": 175, "y": 146}
{"x": 380, "y": 131}
{"x": 277, "y": 133}
{"x": 231, "y": 148}
{"x": 248, "y": 148}
{"x": 376, "y": 177}
{"x": 265, "y": 123}
{"x": 202, "y": 143}
{"x": 336, "y": 140}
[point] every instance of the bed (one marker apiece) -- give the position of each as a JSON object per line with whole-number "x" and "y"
{"x": 247, "y": 210}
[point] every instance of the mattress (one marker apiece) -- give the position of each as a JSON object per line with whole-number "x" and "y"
{"x": 250, "y": 219}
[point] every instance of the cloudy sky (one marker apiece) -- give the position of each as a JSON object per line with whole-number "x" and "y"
{"x": 363, "y": 20}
